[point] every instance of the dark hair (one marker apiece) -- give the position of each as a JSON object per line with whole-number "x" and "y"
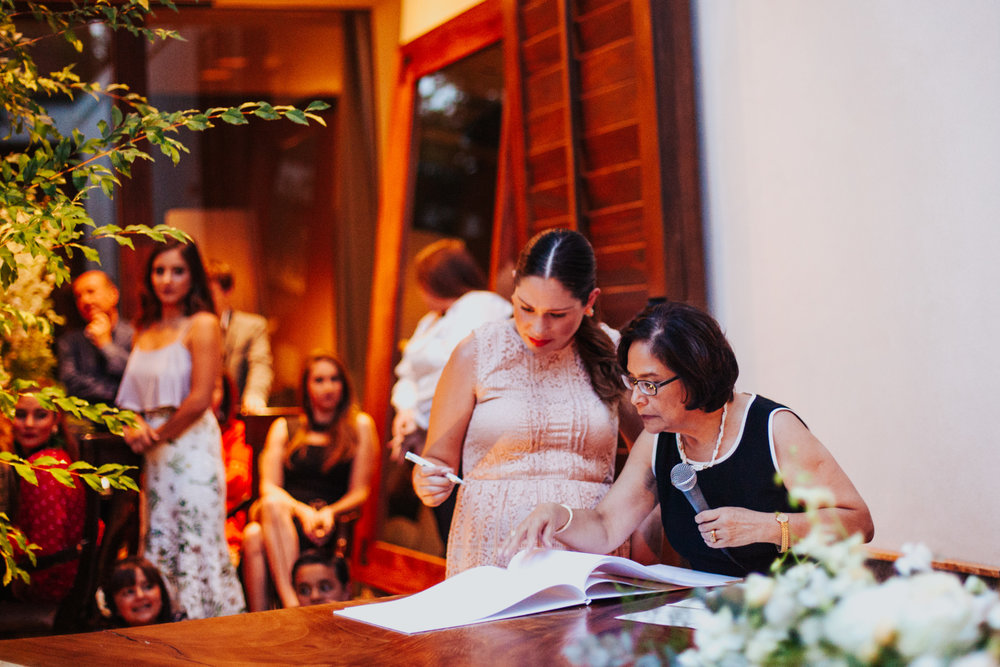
{"x": 220, "y": 273}
{"x": 342, "y": 429}
{"x": 123, "y": 576}
{"x": 567, "y": 256}
{"x": 447, "y": 270}
{"x": 688, "y": 341}
{"x": 199, "y": 297}
{"x": 322, "y": 557}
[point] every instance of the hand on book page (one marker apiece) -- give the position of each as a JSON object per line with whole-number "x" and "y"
{"x": 536, "y": 581}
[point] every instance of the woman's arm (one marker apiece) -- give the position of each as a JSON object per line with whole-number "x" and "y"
{"x": 204, "y": 342}
{"x": 804, "y": 464}
{"x": 600, "y": 530}
{"x": 454, "y": 401}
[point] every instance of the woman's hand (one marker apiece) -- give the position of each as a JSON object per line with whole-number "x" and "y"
{"x": 403, "y": 424}
{"x": 736, "y": 527}
{"x": 141, "y": 437}
{"x": 311, "y": 522}
{"x": 431, "y": 485}
{"x": 326, "y": 519}
{"x": 537, "y": 530}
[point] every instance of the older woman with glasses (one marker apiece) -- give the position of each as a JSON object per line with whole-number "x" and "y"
{"x": 681, "y": 372}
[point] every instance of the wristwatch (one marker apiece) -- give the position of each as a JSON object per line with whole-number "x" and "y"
{"x": 782, "y": 520}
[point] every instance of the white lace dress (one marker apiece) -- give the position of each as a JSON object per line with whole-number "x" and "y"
{"x": 538, "y": 433}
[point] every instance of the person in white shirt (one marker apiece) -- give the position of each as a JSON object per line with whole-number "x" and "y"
{"x": 453, "y": 287}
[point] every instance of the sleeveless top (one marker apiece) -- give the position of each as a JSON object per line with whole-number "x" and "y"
{"x": 744, "y": 477}
{"x": 159, "y": 378}
{"x": 305, "y": 479}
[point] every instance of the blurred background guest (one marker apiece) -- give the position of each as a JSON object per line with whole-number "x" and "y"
{"x": 320, "y": 577}
{"x": 246, "y": 346}
{"x": 314, "y": 468}
{"x": 453, "y": 288}
{"x": 527, "y": 408}
{"x": 135, "y": 594}
{"x": 173, "y": 369}
{"x": 237, "y": 456}
{"x": 50, "y": 514}
{"x": 92, "y": 359}
{"x": 747, "y": 451}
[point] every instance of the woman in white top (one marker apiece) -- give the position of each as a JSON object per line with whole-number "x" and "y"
{"x": 175, "y": 363}
{"x": 453, "y": 288}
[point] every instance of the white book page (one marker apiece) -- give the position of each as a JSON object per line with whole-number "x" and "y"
{"x": 469, "y": 597}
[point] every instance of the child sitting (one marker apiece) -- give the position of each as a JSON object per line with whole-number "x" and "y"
{"x": 320, "y": 577}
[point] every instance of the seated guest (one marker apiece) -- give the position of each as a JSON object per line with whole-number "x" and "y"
{"x": 92, "y": 359}
{"x": 237, "y": 456}
{"x": 320, "y": 577}
{"x": 50, "y": 514}
{"x": 681, "y": 372}
{"x": 135, "y": 594}
{"x": 313, "y": 469}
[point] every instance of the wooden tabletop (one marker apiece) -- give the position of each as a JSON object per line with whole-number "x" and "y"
{"x": 314, "y": 636}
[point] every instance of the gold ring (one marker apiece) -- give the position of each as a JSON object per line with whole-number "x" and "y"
{"x": 714, "y": 538}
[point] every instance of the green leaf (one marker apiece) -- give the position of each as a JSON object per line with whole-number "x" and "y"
{"x": 296, "y": 116}
{"x": 233, "y": 117}
{"x": 317, "y": 105}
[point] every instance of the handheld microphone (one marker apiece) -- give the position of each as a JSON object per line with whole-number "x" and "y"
{"x": 685, "y": 480}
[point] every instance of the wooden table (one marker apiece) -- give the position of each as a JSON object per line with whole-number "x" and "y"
{"x": 314, "y": 636}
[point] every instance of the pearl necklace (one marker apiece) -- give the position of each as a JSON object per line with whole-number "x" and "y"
{"x": 718, "y": 443}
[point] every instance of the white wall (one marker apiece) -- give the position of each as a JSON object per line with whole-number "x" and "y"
{"x": 851, "y": 161}
{"x": 419, "y": 16}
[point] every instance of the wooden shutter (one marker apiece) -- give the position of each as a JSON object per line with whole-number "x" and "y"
{"x": 602, "y": 139}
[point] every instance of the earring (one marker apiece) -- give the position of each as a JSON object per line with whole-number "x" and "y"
{"x": 590, "y": 312}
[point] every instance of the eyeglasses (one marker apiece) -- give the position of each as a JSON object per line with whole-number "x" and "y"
{"x": 647, "y": 387}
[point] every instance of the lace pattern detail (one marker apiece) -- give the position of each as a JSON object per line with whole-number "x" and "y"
{"x": 538, "y": 433}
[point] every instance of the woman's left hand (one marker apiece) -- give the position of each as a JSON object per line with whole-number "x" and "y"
{"x": 322, "y": 528}
{"x": 141, "y": 437}
{"x": 734, "y": 526}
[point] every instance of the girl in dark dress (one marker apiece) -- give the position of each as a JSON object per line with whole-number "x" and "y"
{"x": 313, "y": 468}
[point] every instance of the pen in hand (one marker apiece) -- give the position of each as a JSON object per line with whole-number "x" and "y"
{"x": 424, "y": 463}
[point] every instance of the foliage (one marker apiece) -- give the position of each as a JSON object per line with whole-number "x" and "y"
{"x": 46, "y": 181}
{"x": 12, "y": 540}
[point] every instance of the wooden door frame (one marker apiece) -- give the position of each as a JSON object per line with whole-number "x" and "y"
{"x": 389, "y": 567}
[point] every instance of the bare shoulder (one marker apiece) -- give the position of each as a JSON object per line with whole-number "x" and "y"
{"x": 203, "y": 323}
{"x": 364, "y": 422}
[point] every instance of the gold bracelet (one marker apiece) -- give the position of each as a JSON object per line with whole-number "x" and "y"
{"x": 782, "y": 520}
{"x": 568, "y": 521}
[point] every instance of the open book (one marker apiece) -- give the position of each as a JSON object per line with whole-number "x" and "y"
{"x": 535, "y": 581}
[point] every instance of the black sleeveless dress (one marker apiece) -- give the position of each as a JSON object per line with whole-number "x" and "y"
{"x": 304, "y": 477}
{"x": 745, "y": 478}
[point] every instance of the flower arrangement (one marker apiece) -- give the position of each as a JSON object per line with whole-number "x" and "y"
{"x": 826, "y": 608}
{"x": 822, "y": 605}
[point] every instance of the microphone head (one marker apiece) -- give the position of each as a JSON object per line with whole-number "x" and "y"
{"x": 683, "y": 477}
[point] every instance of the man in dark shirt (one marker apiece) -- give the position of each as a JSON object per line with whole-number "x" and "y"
{"x": 92, "y": 359}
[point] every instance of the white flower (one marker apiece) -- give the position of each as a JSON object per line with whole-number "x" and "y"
{"x": 718, "y": 636}
{"x": 812, "y": 498}
{"x": 977, "y": 659}
{"x": 762, "y": 644}
{"x": 915, "y": 558}
{"x": 757, "y": 589}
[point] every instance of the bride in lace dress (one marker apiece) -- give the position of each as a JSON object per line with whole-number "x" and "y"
{"x": 528, "y": 407}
